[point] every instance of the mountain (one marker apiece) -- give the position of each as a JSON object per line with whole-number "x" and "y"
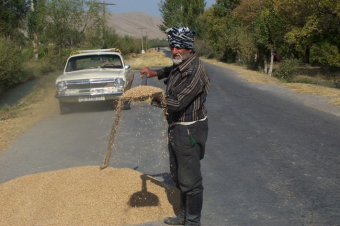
{"x": 131, "y": 23}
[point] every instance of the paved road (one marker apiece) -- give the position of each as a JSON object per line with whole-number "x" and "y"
{"x": 272, "y": 157}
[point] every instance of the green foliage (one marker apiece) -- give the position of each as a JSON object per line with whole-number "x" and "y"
{"x": 218, "y": 24}
{"x": 269, "y": 30}
{"x": 245, "y": 32}
{"x": 286, "y": 70}
{"x": 36, "y": 18}
{"x": 226, "y": 6}
{"x": 154, "y": 43}
{"x": 181, "y": 13}
{"x": 111, "y": 37}
{"x": 28, "y": 53}
{"x": 242, "y": 43}
{"x": 69, "y": 19}
{"x": 203, "y": 49}
{"x": 325, "y": 54}
{"x": 247, "y": 12}
{"x": 310, "y": 22}
{"x": 46, "y": 66}
{"x": 129, "y": 45}
{"x": 12, "y": 14}
{"x": 11, "y": 65}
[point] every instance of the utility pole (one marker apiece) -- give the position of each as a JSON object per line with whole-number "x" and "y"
{"x": 104, "y": 6}
{"x": 141, "y": 30}
{"x": 146, "y": 40}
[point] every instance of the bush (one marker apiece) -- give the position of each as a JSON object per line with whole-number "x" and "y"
{"x": 325, "y": 54}
{"x": 203, "y": 49}
{"x": 11, "y": 65}
{"x": 287, "y": 70}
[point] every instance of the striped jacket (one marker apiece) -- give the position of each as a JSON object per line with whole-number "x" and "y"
{"x": 186, "y": 91}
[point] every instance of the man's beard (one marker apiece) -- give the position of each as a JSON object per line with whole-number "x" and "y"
{"x": 181, "y": 59}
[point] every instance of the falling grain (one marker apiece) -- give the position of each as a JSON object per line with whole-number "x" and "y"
{"x": 139, "y": 93}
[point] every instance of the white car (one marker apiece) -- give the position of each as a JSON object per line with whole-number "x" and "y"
{"x": 93, "y": 75}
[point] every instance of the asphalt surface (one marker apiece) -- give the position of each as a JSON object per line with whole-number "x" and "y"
{"x": 272, "y": 158}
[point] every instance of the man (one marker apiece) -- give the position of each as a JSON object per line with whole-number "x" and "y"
{"x": 187, "y": 87}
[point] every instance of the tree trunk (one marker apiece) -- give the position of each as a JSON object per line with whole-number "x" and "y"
{"x": 35, "y": 38}
{"x": 35, "y": 45}
{"x": 271, "y": 62}
{"x": 265, "y": 64}
{"x": 307, "y": 53}
{"x": 59, "y": 54}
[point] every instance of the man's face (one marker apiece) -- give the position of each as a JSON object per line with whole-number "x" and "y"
{"x": 180, "y": 55}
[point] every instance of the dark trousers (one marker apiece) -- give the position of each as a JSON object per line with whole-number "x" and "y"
{"x": 186, "y": 149}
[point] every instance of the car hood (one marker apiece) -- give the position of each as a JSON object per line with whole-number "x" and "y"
{"x": 91, "y": 74}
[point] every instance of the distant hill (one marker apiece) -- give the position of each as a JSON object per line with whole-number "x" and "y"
{"x": 129, "y": 24}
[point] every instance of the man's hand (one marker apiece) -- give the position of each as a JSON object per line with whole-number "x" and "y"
{"x": 149, "y": 73}
{"x": 158, "y": 101}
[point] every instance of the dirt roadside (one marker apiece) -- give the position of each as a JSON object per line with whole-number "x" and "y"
{"x": 32, "y": 114}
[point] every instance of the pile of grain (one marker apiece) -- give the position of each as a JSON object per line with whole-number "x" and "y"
{"x": 86, "y": 196}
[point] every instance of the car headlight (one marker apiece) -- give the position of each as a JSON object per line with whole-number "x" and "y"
{"x": 120, "y": 82}
{"x": 61, "y": 86}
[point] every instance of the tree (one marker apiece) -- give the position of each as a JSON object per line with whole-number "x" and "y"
{"x": 12, "y": 14}
{"x": 247, "y": 12}
{"x": 36, "y": 21}
{"x": 181, "y": 13}
{"x": 219, "y": 25}
{"x": 67, "y": 20}
{"x": 242, "y": 43}
{"x": 310, "y": 22}
{"x": 226, "y": 6}
{"x": 11, "y": 65}
{"x": 269, "y": 32}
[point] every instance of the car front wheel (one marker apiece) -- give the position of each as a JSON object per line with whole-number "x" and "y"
{"x": 65, "y": 108}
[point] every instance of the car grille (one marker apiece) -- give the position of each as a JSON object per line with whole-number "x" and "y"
{"x": 90, "y": 83}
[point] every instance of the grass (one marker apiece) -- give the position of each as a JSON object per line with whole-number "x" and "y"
{"x": 323, "y": 76}
{"x": 39, "y": 92}
{"x": 313, "y": 80}
{"x": 150, "y": 58}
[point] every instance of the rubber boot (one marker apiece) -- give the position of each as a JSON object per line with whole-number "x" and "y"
{"x": 193, "y": 209}
{"x": 180, "y": 218}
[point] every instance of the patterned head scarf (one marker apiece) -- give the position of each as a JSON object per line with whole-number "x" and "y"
{"x": 181, "y": 37}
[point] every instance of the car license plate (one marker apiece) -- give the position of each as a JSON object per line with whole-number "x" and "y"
{"x": 84, "y": 99}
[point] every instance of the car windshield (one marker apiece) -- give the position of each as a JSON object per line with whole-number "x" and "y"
{"x": 93, "y": 61}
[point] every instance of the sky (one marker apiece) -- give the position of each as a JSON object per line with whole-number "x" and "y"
{"x": 146, "y": 6}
